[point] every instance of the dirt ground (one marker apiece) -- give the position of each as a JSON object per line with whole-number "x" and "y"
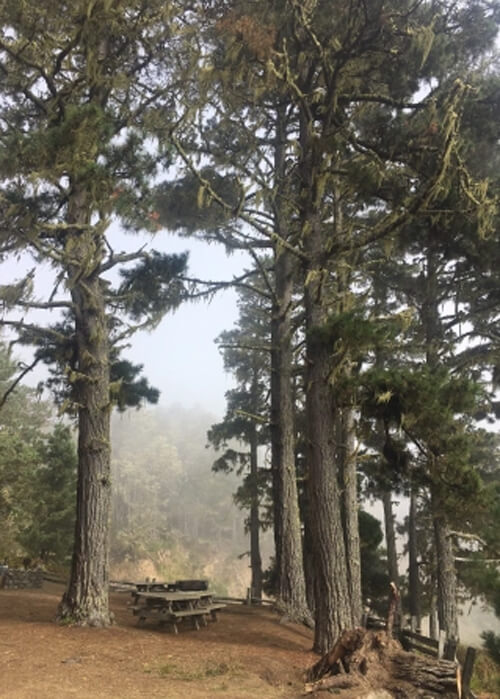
{"x": 246, "y": 653}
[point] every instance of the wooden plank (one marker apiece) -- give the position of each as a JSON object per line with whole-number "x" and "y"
{"x": 418, "y": 637}
{"x": 181, "y": 613}
{"x": 423, "y": 649}
{"x": 173, "y": 596}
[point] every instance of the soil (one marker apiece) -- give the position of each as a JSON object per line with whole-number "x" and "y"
{"x": 248, "y": 652}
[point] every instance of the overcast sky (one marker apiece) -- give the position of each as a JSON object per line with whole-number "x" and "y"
{"x": 179, "y": 357}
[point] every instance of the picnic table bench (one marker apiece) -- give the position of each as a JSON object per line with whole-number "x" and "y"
{"x": 174, "y": 606}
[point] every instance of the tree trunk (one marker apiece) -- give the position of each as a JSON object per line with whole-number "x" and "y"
{"x": 445, "y": 571}
{"x": 333, "y": 607}
{"x": 392, "y": 554}
{"x": 346, "y": 445}
{"x": 413, "y": 572}
{"x": 446, "y": 577}
{"x": 255, "y": 558}
{"x": 390, "y": 537}
{"x": 86, "y": 599}
{"x": 287, "y": 528}
{"x": 308, "y": 548}
{"x": 433, "y": 625}
{"x": 333, "y": 604}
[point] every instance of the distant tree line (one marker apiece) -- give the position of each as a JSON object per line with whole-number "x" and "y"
{"x": 352, "y": 150}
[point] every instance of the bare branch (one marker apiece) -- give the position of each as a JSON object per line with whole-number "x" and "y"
{"x": 17, "y": 381}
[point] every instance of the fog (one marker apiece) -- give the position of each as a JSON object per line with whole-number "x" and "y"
{"x": 179, "y": 356}
{"x": 160, "y": 463}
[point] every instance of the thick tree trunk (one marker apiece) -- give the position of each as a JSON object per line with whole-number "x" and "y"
{"x": 333, "y": 604}
{"x": 433, "y": 623}
{"x": 288, "y": 535}
{"x": 308, "y": 553}
{"x": 287, "y": 527}
{"x": 333, "y": 610}
{"x": 413, "y": 572}
{"x": 86, "y": 599}
{"x": 346, "y": 445}
{"x": 446, "y": 577}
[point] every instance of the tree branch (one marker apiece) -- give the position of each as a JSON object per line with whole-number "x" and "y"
{"x": 15, "y": 383}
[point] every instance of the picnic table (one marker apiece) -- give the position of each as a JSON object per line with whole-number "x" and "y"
{"x": 174, "y": 606}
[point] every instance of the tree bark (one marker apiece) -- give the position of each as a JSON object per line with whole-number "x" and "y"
{"x": 86, "y": 599}
{"x": 287, "y": 526}
{"x": 333, "y": 610}
{"x": 446, "y": 577}
{"x": 346, "y": 445}
{"x": 308, "y": 554}
{"x": 333, "y": 606}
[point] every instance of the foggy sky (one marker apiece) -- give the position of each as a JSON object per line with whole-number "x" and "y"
{"x": 179, "y": 356}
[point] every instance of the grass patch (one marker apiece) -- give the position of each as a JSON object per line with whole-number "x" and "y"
{"x": 486, "y": 675}
{"x": 195, "y": 673}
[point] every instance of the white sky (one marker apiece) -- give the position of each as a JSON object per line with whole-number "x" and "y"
{"x": 179, "y": 357}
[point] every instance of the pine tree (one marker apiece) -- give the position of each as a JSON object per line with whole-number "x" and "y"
{"x": 85, "y": 88}
{"x": 246, "y": 354}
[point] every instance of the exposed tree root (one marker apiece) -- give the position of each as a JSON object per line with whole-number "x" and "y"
{"x": 369, "y": 663}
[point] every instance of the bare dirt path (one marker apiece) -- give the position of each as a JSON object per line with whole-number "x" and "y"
{"x": 247, "y": 653}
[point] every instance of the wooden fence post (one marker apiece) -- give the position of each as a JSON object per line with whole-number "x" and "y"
{"x": 450, "y": 650}
{"x": 470, "y": 657}
{"x": 442, "y": 643}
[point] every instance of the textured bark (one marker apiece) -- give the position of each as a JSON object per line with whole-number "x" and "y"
{"x": 346, "y": 445}
{"x": 308, "y": 553}
{"x": 446, "y": 578}
{"x": 333, "y": 607}
{"x": 439, "y": 676}
{"x": 433, "y": 624}
{"x": 287, "y": 528}
{"x": 86, "y": 599}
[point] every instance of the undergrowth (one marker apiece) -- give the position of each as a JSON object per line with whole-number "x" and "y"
{"x": 486, "y": 675}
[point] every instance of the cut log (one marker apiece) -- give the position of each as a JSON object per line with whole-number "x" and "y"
{"x": 369, "y": 660}
{"x": 425, "y": 673}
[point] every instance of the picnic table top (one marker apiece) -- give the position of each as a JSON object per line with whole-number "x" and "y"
{"x": 178, "y": 595}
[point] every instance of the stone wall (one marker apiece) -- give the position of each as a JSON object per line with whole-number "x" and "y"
{"x": 19, "y": 578}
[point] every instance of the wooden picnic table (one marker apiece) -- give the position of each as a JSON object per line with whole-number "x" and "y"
{"x": 174, "y": 606}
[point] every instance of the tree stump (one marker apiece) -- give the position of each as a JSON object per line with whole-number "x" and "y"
{"x": 365, "y": 661}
